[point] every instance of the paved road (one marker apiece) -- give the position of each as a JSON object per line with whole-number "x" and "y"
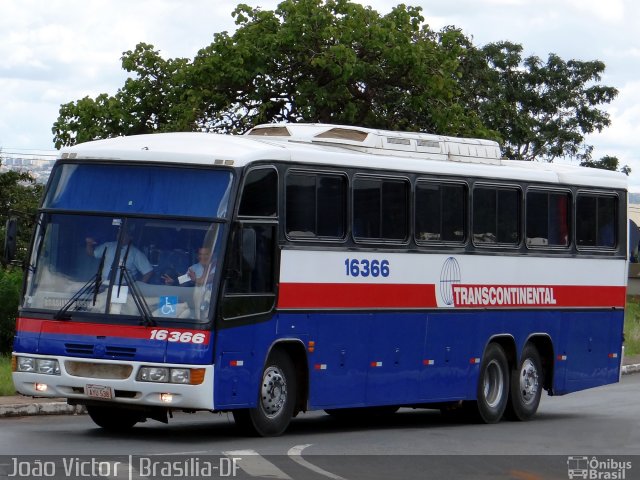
{"x": 602, "y": 423}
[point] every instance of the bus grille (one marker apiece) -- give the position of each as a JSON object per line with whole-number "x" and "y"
{"x": 97, "y": 370}
{"x": 78, "y": 349}
{"x": 120, "y": 352}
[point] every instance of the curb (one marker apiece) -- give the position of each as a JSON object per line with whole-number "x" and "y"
{"x": 626, "y": 369}
{"x": 62, "y": 408}
{"x": 47, "y": 408}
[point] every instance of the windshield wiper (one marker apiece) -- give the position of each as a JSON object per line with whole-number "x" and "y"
{"x": 138, "y": 298}
{"x": 93, "y": 284}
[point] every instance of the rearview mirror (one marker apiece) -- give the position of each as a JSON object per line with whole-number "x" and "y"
{"x": 10, "y": 240}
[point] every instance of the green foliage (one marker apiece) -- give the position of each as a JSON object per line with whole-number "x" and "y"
{"x": 335, "y": 61}
{"x": 19, "y": 196}
{"x": 632, "y": 327}
{"x": 150, "y": 102}
{"x": 605, "y": 163}
{"x": 331, "y": 62}
{"x": 6, "y": 383}
{"x": 10, "y": 288}
{"x": 543, "y": 110}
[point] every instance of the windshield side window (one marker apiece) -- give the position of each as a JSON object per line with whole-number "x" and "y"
{"x": 250, "y": 275}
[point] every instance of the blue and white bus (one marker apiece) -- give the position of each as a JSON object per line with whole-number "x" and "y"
{"x": 319, "y": 267}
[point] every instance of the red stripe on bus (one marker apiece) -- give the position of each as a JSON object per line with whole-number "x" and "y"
{"x": 64, "y": 327}
{"x": 549, "y": 296}
{"x": 355, "y": 295}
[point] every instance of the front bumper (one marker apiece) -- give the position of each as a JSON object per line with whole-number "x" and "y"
{"x": 119, "y": 379}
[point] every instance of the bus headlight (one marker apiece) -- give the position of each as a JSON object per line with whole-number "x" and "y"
{"x": 37, "y": 365}
{"x": 180, "y": 375}
{"x": 48, "y": 367}
{"x": 26, "y": 364}
{"x": 185, "y": 376}
{"x": 154, "y": 374}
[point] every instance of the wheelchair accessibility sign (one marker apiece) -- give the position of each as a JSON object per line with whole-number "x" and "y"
{"x": 168, "y": 306}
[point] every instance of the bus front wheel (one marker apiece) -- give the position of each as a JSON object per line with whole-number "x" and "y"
{"x": 493, "y": 385}
{"x": 276, "y": 399}
{"x": 114, "y": 419}
{"x": 526, "y": 385}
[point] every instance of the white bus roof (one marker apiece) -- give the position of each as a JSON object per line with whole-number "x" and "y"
{"x": 341, "y": 147}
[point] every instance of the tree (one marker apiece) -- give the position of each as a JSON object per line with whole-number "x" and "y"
{"x": 10, "y": 287}
{"x": 542, "y": 110}
{"x": 605, "y": 163}
{"x": 150, "y": 102}
{"x": 331, "y": 62}
{"x": 335, "y": 61}
{"x": 308, "y": 60}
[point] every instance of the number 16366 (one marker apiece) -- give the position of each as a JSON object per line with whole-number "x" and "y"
{"x": 180, "y": 337}
{"x": 355, "y": 267}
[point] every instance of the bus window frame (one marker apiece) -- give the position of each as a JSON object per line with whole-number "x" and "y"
{"x": 520, "y": 211}
{"x": 239, "y": 222}
{"x": 466, "y": 211}
{"x": 616, "y": 220}
{"x": 409, "y": 214}
{"x": 571, "y": 223}
{"x": 296, "y": 170}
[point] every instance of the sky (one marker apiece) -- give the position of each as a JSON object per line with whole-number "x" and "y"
{"x": 58, "y": 51}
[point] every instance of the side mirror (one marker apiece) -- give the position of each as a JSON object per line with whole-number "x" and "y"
{"x": 10, "y": 240}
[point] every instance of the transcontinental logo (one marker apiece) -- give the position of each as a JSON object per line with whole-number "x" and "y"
{"x": 502, "y": 295}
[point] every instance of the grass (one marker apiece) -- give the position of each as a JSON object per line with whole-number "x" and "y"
{"x": 6, "y": 384}
{"x": 631, "y": 333}
{"x": 632, "y": 326}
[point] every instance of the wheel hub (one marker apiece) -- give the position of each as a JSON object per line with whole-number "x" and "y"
{"x": 493, "y": 384}
{"x": 528, "y": 381}
{"x": 273, "y": 393}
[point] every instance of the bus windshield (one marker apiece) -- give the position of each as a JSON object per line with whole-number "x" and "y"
{"x": 129, "y": 240}
{"x": 140, "y": 190}
{"x": 166, "y": 268}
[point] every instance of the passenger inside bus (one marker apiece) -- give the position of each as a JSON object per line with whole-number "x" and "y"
{"x": 197, "y": 273}
{"x": 136, "y": 261}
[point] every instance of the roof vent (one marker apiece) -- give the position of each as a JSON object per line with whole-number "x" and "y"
{"x": 344, "y": 134}
{"x": 268, "y": 131}
{"x": 398, "y": 141}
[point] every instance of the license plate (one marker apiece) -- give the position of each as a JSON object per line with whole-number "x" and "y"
{"x": 98, "y": 391}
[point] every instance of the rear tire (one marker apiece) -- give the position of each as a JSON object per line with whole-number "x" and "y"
{"x": 276, "y": 399}
{"x": 493, "y": 385}
{"x": 114, "y": 419}
{"x": 526, "y": 385}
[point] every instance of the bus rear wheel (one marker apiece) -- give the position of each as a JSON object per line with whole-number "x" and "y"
{"x": 526, "y": 385}
{"x": 493, "y": 385}
{"x": 276, "y": 399}
{"x": 114, "y": 419}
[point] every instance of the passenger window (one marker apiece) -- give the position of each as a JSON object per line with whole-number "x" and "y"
{"x": 380, "y": 209}
{"x": 548, "y": 219}
{"x": 496, "y": 216}
{"x": 596, "y": 220}
{"x": 316, "y": 205}
{"x": 440, "y": 212}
